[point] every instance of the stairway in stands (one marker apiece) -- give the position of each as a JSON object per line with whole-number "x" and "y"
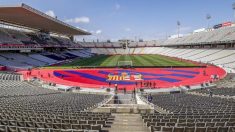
{"x": 126, "y": 111}
{"x": 128, "y": 123}
{"x": 133, "y": 51}
{"x": 142, "y": 51}
{"x": 126, "y": 98}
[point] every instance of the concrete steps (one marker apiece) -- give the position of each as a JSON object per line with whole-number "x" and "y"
{"x": 126, "y": 98}
{"x": 128, "y": 123}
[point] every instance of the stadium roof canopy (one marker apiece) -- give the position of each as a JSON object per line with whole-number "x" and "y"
{"x": 24, "y": 15}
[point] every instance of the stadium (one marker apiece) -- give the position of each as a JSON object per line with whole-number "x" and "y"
{"x": 49, "y": 82}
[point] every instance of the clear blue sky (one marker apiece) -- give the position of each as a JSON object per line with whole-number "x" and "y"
{"x": 147, "y": 19}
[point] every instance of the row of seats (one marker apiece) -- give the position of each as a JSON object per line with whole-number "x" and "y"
{"x": 53, "y": 111}
{"x": 27, "y": 61}
{"x": 218, "y": 56}
{"x": 91, "y": 125}
{"x": 225, "y": 34}
{"x": 218, "y": 91}
{"x": 186, "y": 103}
{"x": 53, "y": 102}
{"x": 23, "y": 59}
{"x": 28, "y": 129}
{"x": 6, "y": 38}
{"x": 11, "y": 36}
{"x": 26, "y": 108}
{"x": 10, "y": 88}
{"x": 10, "y": 76}
{"x": 191, "y": 129}
{"x": 191, "y": 113}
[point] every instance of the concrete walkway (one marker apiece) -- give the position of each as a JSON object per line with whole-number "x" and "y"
{"x": 126, "y": 98}
{"x": 128, "y": 123}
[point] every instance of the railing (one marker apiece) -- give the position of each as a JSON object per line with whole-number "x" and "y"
{"x": 121, "y": 101}
{"x": 126, "y": 106}
{"x": 11, "y": 46}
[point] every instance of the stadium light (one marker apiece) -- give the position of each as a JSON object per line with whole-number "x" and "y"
{"x": 178, "y": 24}
{"x": 233, "y": 9}
{"x": 208, "y": 17}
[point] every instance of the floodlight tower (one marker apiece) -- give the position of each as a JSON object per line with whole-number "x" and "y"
{"x": 233, "y": 9}
{"x": 178, "y": 25}
{"x": 208, "y": 17}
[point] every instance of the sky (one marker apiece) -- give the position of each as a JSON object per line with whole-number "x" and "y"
{"x": 134, "y": 19}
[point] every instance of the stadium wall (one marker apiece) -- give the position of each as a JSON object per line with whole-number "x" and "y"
{"x": 15, "y": 69}
{"x": 2, "y": 68}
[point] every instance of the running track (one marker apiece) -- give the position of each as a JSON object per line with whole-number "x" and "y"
{"x": 97, "y": 78}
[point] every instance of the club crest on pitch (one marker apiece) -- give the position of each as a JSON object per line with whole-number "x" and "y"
{"x": 124, "y": 76}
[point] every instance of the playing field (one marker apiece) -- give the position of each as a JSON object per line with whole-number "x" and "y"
{"x": 137, "y": 60}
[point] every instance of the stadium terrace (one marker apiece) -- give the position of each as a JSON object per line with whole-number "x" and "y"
{"x": 51, "y": 83}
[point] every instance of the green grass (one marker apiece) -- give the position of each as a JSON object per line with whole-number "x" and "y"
{"x": 137, "y": 60}
{"x": 93, "y": 61}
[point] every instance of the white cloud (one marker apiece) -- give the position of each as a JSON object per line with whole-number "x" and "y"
{"x": 78, "y": 20}
{"x": 117, "y": 6}
{"x": 127, "y": 29}
{"x": 50, "y": 13}
{"x": 98, "y": 31}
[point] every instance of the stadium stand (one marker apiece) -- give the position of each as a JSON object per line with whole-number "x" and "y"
{"x": 219, "y": 91}
{"x": 25, "y": 107}
{"x": 54, "y": 56}
{"x": 7, "y": 39}
{"x": 30, "y": 60}
{"x": 43, "y": 58}
{"x": 19, "y": 35}
{"x": 191, "y": 113}
{"x": 12, "y": 63}
{"x": 224, "y": 34}
{"x": 85, "y": 53}
{"x": 23, "y": 59}
{"x": 217, "y": 56}
{"x": 51, "y": 112}
{"x": 10, "y": 76}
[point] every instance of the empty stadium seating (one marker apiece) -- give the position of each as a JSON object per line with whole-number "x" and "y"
{"x": 219, "y": 91}
{"x": 20, "y": 36}
{"x": 43, "y": 58}
{"x": 12, "y": 36}
{"x": 190, "y": 113}
{"x": 6, "y": 38}
{"x": 13, "y": 64}
{"x": 30, "y": 106}
{"x": 10, "y": 76}
{"x": 30, "y": 60}
{"x": 26, "y": 107}
{"x": 23, "y": 59}
{"x": 225, "y": 34}
{"x": 217, "y": 56}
